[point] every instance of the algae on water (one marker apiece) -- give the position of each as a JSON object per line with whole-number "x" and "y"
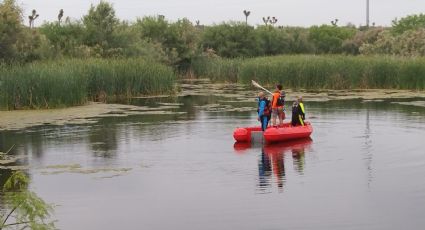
{"x": 412, "y": 103}
{"x": 78, "y": 169}
{"x": 231, "y": 95}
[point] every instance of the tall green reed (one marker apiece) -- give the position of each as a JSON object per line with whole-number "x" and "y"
{"x": 74, "y": 81}
{"x": 319, "y": 72}
{"x": 217, "y": 69}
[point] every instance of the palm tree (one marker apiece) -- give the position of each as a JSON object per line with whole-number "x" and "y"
{"x": 271, "y": 20}
{"x": 32, "y": 18}
{"x": 60, "y": 16}
{"x": 246, "y": 13}
{"x": 266, "y": 20}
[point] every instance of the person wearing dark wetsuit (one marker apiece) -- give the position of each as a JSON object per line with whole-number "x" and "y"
{"x": 298, "y": 113}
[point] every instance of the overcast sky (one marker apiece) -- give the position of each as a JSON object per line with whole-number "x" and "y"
{"x": 288, "y": 12}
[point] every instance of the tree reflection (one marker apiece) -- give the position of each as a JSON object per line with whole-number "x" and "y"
{"x": 103, "y": 139}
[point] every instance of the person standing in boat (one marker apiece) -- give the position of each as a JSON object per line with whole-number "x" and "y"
{"x": 298, "y": 112}
{"x": 264, "y": 110}
{"x": 278, "y": 103}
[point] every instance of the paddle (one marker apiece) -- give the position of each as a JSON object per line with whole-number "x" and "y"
{"x": 10, "y": 149}
{"x": 259, "y": 86}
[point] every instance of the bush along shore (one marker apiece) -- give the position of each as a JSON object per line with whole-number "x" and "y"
{"x": 73, "y": 82}
{"x": 318, "y": 72}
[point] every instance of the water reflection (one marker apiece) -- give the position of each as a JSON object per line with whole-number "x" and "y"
{"x": 103, "y": 140}
{"x": 274, "y": 157}
{"x": 368, "y": 156}
{"x": 271, "y": 163}
{"x": 298, "y": 156}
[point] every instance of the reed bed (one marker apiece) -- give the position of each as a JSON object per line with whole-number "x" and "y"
{"x": 74, "y": 82}
{"x": 321, "y": 72}
{"x": 217, "y": 69}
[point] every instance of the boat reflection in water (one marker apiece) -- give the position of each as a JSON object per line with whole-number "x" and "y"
{"x": 271, "y": 163}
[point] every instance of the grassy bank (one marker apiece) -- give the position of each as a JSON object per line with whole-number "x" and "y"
{"x": 74, "y": 82}
{"x": 319, "y": 72}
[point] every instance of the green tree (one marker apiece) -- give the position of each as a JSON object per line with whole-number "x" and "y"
{"x": 179, "y": 40}
{"x": 153, "y": 29}
{"x": 10, "y": 29}
{"x": 410, "y": 43}
{"x": 369, "y": 36}
{"x": 272, "y": 40}
{"x": 410, "y": 22}
{"x": 65, "y": 38}
{"x": 329, "y": 39}
{"x": 232, "y": 40}
{"x": 131, "y": 44}
{"x": 183, "y": 37}
{"x": 100, "y": 23}
{"x": 33, "y": 45}
{"x": 23, "y": 208}
{"x": 299, "y": 42}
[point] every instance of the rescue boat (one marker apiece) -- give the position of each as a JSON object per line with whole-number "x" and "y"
{"x": 284, "y": 132}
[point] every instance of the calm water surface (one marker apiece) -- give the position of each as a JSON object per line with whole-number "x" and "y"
{"x": 363, "y": 168}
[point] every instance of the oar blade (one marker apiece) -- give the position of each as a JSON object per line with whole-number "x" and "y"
{"x": 256, "y": 84}
{"x": 259, "y": 86}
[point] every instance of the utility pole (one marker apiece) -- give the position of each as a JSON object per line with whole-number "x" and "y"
{"x": 367, "y": 13}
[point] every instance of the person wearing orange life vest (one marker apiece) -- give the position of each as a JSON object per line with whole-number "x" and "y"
{"x": 278, "y": 104}
{"x": 264, "y": 110}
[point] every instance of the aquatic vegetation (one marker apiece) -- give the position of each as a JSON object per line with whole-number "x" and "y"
{"x": 412, "y": 103}
{"x": 224, "y": 108}
{"x": 217, "y": 69}
{"x": 6, "y": 159}
{"x": 74, "y": 82}
{"x": 78, "y": 169}
{"x": 86, "y": 114}
{"x": 319, "y": 72}
{"x": 9, "y": 159}
{"x": 228, "y": 100}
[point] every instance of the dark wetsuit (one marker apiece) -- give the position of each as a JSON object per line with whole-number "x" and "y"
{"x": 298, "y": 114}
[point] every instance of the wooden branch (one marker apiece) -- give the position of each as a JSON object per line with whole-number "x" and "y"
{"x": 7, "y": 217}
{"x": 8, "y": 225}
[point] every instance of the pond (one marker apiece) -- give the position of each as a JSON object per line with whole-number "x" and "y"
{"x": 363, "y": 168}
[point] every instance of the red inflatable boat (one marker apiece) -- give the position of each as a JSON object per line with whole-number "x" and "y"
{"x": 294, "y": 146}
{"x": 284, "y": 132}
